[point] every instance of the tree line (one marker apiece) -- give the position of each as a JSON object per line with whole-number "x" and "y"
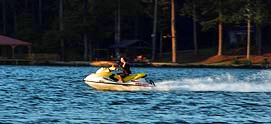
{"x": 62, "y": 25}
{"x": 58, "y": 26}
{"x": 216, "y": 13}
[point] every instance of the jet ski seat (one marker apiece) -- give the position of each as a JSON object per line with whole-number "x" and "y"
{"x": 133, "y": 76}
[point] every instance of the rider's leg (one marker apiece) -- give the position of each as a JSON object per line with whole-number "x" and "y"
{"x": 121, "y": 79}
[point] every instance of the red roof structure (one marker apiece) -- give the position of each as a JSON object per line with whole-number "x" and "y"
{"x": 7, "y": 41}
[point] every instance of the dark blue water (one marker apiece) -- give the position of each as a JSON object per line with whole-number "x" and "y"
{"x": 41, "y": 94}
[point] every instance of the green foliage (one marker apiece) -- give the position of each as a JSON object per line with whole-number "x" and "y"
{"x": 257, "y": 10}
{"x": 236, "y": 61}
{"x": 99, "y": 19}
{"x": 247, "y": 62}
{"x": 74, "y": 24}
{"x": 163, "y": 14}
{"x": 191, "y": 8}
{"x": 265, "y": 61}
{"x": 209, "y": 12}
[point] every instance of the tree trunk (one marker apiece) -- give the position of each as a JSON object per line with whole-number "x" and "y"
{"x": 13, "y": 52}
{"x": 15, "y": 22}
{"x": 219, "y": 53}
{"x": 154, "y": 30}
{"x": 61, "y": 28}
{"x": 13, "y": 8}
{"x": 40, "y": 15}
{"x": 85, "y": 47}
{"x": 117, "y": 28}
{"x": 248, "y": 38}
{"x": 4, "y": 16}
{"x": 259, "y": 39}
{"x": 118, "y": 23}
{"x": 195, "y": 37}
{"x": 173, "y": 32}
{"x": 136, "y": 27}
{"x": 85, "y": 33}
{"x": 195, "y": 30}
{"x": 161, "y": 42}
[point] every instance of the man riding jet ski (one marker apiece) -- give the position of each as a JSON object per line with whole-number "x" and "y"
{"x": 125, "y": 69}
{"x": 104, "y": 79}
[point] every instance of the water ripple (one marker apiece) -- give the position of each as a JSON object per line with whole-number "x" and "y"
{"x": 44, "y": 94}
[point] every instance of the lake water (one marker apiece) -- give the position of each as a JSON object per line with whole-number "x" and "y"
{"x": 44, "y": 94}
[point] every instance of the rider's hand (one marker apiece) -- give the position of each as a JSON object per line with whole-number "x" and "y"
{"x": 113, "y": 68}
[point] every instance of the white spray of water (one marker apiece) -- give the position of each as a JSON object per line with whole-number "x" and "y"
{"x": 258, "y": 82}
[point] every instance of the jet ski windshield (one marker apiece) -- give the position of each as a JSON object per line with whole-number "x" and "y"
{"x": 101, "y": 70}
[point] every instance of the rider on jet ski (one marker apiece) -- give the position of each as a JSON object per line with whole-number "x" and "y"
{"x": 125, "y": 69}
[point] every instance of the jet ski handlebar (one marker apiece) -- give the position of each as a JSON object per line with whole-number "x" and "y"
{"x": 113, "y": 68}
{"x": 152, "y": 83}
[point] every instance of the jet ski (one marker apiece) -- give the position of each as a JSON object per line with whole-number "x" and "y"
{"x": 105, "y": 79}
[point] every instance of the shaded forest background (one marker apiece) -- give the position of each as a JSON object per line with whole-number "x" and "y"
{"x": 90, "y": 25}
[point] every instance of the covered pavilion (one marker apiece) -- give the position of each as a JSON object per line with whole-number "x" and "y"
{"x": 8, "y": 47}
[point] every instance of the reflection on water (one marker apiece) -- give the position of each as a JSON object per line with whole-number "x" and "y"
{"x": 42, "y": 94}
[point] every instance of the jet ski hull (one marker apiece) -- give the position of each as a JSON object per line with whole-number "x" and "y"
{"x": 119, "y": 86}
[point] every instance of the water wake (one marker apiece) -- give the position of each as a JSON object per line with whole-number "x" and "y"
{"x": 258, "y": 82}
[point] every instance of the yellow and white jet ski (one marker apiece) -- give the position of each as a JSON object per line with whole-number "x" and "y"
{"x": 104, "y": 79}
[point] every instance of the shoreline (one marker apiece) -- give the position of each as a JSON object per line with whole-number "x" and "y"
{"x": 137, "y": 64}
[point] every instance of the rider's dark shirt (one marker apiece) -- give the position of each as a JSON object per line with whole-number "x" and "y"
{"x": 126, "y": 68}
